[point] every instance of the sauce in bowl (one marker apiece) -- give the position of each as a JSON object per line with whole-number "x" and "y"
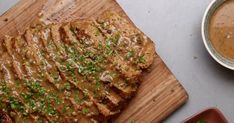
{"x": 221, "y": 30}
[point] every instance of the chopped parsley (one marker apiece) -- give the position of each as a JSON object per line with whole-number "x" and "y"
{"x": 99, "y": 59}
{"x": 133, "y": 121}
{"x": 130, "y": 54}
{"x": 98, "y": 84}
{"x": 15, "y": 104}
{"x": 201, "y": 121}
{"x": 96, "y": 31}
{"x": 65, "y": 108}
{"x": 35, "y": 87}
{"x": 141, "y": 59}
{"x": 67, "y": 86}
{"x": 81, "y": 58}
{"x": 114, "y": 39}
{"x": 77, "y": 99}
{"x": 100, "y": 46}
{"x": 73, "y": 29}
{"x": 50, "y": 110}
{"x": 85, "y": 110}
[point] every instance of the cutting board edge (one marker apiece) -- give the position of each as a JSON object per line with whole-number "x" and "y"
{"x": 186, "y": 96}
{"x": 185, "y": 99}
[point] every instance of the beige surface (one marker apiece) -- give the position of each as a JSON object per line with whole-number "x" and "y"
{"x": 160, "y": 93}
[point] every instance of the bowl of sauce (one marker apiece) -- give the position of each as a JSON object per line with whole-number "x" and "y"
{"x": 218, "y": 31}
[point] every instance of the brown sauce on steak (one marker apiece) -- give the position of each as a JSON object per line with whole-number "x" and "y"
{"x": 83, "y": 71}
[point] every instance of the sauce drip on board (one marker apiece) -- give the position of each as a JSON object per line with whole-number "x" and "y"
{"x": 221, "y": 30}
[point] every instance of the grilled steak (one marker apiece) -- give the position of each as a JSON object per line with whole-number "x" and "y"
{"x": 83, "y": 71}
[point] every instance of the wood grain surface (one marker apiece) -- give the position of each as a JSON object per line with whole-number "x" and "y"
{"x": 160, "y": 93}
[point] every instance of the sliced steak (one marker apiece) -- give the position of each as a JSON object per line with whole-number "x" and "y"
{"x": 83, "y": 71}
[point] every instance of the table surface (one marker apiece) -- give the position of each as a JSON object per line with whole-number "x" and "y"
{"x": 175, "y": 27}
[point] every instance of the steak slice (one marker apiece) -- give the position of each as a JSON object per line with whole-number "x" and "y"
{"x": 83, "y": 71}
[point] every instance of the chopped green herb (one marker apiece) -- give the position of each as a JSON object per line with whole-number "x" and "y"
{"x": 97, "y": 31}
{"x": 77, "y": 99}
{"x": 81, "y": 58}
{"x": 50, "y": 110}
{"x": 73, "y": 30}
{"x": 17, "y": 83}
{"x": 201, "y": 121}
{"x": 32, "y": 104}
{"x": 35, "y": 87}
{"x": 67, "y": 86}
{"x": 89, "y": 54}
{"x": 141, "y": 59}
{"x": 109, "y": 50}
{"x": 4, "y": 89}
{"x": 41, "y": 75}
{"x": 42, "y": 91}
{"x": 70, "y": 68}
{"x": 40, "y": 121}
{"x": 15, "y": 104}
{"x": 109, "y": 42}
{"x": 113, "y": 40}
{"x": 104, "y": 25}
{"x": 116, "y": 38}
{"x": 100, "y": 46}
{"x": 98, "y": 84}
{"x": 55, "y": 98}
{"x": 85, "y": 110}
{"x": 99, "y": 58}
{"x": 25, "y": 119}
{"x": 26, "y": 96}
{"x": 130, "y": 54}
{"x": 43, "y": 63}
{"x": 64, "y": 109}
{"x": 133, "y": 121}
{"x": 91, "y": 66}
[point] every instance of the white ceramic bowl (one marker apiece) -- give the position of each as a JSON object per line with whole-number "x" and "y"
{"x": 205, "y": 35}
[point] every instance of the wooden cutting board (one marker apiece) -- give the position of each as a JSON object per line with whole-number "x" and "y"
{"x": 160, "y": 93}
